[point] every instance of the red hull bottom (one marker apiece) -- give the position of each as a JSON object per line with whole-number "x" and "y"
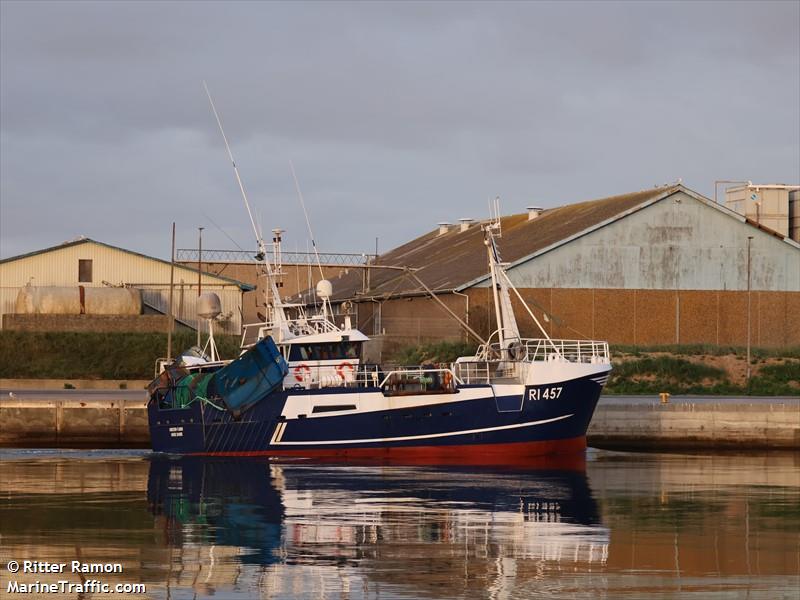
{"x": 567, "y": 453}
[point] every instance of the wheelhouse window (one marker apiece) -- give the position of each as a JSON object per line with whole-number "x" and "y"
{"x": 328, "y": 351}
{"x": 84, "y": 270}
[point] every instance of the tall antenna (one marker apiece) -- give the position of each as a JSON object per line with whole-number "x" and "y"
{"x": 278, "y": 316}
{"x": 308, "y": 222}
{"x": 259, "y": 239}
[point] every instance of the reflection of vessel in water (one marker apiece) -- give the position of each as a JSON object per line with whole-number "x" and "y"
{"x": 229, "y": 503}
{"x": 315, "y": 513}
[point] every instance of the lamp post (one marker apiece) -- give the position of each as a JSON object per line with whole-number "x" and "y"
{"x": 749, "y": 240}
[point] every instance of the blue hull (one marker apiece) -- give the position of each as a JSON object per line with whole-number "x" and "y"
{"x": 484, "y": 423}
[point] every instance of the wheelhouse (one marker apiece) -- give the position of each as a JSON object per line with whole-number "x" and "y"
{"x": 300, "y": 351}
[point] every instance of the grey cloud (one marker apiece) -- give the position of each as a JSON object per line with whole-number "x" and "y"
{"x": 396, "y": 114}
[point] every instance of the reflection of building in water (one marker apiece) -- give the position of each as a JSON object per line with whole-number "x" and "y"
{"x": 702, "y": 516}
{"x": 57, "y": 510}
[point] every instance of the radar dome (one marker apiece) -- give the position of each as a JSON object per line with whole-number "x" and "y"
{"x": 324, "y": 288}
{"x": 208, "y": 306}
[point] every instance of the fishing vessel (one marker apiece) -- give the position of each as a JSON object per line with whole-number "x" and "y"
{"x": 301, "y": 386}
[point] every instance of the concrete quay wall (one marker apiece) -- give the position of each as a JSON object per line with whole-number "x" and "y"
{"x": 696, "y": 423}
{"x": 73, "y": 423}
{"x": 95, "y": 419}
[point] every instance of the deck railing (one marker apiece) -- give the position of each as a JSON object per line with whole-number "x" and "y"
{"x": 252, "y": 332}
{"x": 577, "y": 351}
{"x": 533, "y": 350}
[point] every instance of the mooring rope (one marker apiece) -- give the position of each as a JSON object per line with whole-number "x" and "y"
{"x": 207, "y": 401}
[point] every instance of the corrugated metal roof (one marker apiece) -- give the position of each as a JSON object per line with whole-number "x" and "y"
{"x": 84, "y": 240}
{"x": 457, "y": 259}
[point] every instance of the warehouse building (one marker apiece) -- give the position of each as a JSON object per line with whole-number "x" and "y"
{"x": 88, "y": 285}
{"x": 654, "y": 267}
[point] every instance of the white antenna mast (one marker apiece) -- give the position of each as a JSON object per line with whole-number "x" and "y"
{"x": 278, "y": 317}
{"x": 326, "y": 302}
{"x": 259, "y": 239}
{"x": 308, "y": 222}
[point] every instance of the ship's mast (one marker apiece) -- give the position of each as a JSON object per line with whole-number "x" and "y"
{"x": 323, "y": 289}
{"x": 507, "y": 328}
{"x": 280, "y": 329}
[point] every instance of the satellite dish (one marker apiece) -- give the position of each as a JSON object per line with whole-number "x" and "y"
{"x": 208, "y": 306}
{"x": 324, "y": 289}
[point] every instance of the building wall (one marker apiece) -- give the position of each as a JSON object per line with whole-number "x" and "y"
{"x": 658, "y": 317}
{"x": 678, "y": 243}
{"x": 620, "y": 316}
{"x": 413, "y": 320}
{"x": 60, "y": 268}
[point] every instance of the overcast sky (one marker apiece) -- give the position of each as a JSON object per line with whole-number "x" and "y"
{"x": 396, "y": 116}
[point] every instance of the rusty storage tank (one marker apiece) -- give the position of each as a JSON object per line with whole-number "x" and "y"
{"x": 78, "y": 300}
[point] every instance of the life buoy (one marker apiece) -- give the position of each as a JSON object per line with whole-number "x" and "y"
{"x": 447, "y": 378}
{"x": 300, "y": 371}
{"x": 340, "y": 369}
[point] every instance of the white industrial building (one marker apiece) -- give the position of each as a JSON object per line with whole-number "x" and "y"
{"x": 86, "y": 263}
{"x": 659, "y": 266}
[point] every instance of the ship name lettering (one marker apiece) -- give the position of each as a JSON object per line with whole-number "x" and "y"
{"x": 545, "y": 393}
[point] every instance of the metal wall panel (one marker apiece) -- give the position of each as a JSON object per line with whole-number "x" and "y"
{"x": 677, "y": 243}
{"x": 8, "y": 300}
{"x": 60, "y": 267}
{"x": 116, "y": 267}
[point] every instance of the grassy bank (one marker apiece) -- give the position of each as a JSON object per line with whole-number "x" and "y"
{"x": 45, "y": 355}
{"x": 682, "y": 376}
{"x": 698, "y": 369}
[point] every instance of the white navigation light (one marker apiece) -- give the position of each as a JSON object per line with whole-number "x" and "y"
{"x": 324, "y": 288}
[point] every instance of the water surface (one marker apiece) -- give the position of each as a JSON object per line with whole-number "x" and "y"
{"x": 616, "y": 525}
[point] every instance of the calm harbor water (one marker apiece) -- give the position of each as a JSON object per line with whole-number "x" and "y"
{"x": 617, "y": 525}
